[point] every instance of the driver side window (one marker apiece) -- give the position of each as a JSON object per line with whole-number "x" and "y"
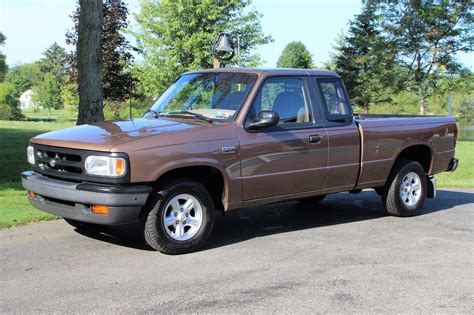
{"x": 284, "y": 96}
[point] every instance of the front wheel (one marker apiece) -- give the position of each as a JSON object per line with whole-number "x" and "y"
{"x": 405, "y": 192}
{"x": 181, "y": 218}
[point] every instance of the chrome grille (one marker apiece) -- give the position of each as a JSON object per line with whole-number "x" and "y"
{"x": 59, "y": 162}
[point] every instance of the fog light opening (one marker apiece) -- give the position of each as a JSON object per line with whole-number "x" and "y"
{"x": 32, "y": 195}
{"x": 99, "y": 209}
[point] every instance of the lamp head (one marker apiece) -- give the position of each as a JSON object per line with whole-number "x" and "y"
{"x": 223, "y": 48}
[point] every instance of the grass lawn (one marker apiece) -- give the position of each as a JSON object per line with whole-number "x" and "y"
{"x": 464, "y": 175}
{"x": 14, "y": 136}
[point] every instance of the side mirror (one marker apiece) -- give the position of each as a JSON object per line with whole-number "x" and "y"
{"x": 266, "y": 119}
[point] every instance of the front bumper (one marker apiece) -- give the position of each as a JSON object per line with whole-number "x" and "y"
{"x": 74, "y": 200}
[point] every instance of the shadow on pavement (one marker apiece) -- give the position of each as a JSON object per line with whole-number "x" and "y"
{"x": 249, "y": 223}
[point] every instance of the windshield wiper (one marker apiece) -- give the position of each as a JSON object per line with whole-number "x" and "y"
{"x": 154, "y": 112}
{"x": 186, "y": 112}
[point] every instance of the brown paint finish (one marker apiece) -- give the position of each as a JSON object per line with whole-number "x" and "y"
{"x": 343, "y": 157}
{"x": 281, "y": 162}
{"x": 267, "y": 165}
{"x": 385, "y": 139}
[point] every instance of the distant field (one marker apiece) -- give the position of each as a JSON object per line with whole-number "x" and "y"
{"x": 14, "y": 136}
{"x": 60, "y": 115}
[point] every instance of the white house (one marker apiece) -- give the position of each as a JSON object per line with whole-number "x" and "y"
{"x": 25, "y": 100}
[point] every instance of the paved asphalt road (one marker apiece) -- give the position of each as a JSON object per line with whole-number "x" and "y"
{"x": 345, "y": 255}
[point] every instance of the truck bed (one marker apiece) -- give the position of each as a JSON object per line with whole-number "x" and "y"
{"x": 384, "y": 137}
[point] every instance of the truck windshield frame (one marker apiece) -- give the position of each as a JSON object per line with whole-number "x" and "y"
{"x": 216, "y": 95}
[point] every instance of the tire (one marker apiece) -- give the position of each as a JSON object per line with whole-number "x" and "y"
{"x": 81, "y": 225}
{"x": 170, "y": 207}
{"x": 405, "y": 191}
{"x": 313, "y": 201}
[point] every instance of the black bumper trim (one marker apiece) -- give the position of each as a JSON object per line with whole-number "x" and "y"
{"x": 114, "y": 189}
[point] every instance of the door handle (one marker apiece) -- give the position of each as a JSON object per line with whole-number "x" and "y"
{"x": 315, "y": 139}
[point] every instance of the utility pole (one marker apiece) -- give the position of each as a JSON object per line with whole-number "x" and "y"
{"x": 450, "y": 106}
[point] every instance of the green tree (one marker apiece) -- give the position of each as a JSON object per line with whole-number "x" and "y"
{"x": 427, "y": 35}
{"x": 48, "y": 94}
{"x": 115, "y": 49}
{"x": 465, "y": 110}
{"x": 70, "y": 97}
{"x": 177, "y": 36}
{"x": 3, "y": 63}
{"x": 24, "y": 77}
{"x": 8, "y": 102}
{"x": 364, "y": 61}
{"x": 461, "y": 89}
{"x": 295, "y": 55}
{"x": 54, "y": 61}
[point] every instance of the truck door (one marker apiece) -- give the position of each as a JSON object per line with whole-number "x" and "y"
{"x": 291, "y": 157}
{"x": 342, "y": 132}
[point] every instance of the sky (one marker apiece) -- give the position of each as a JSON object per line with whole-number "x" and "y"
{"x": 32, "y": 25}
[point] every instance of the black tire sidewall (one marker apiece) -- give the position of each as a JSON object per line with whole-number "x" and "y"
{"x": 392, "y": 198}
{"x": 159, "y": 238}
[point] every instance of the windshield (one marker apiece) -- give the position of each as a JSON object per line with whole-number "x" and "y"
{"x": 217, "y": 96}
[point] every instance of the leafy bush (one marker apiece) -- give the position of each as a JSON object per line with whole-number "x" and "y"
{"x": 5, "y": 112}
{"x": 465, "y": 110}
{"x": 8, "y": 103}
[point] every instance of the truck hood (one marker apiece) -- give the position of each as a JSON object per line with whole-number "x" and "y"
{"x": 104, "y": 136}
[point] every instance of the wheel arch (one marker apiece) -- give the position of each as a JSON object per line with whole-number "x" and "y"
{"x": 420, "y": 153}
{"x": 210, "y": 176}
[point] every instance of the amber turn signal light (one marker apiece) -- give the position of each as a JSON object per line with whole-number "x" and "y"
{"x": 97, "y": 209}
{"x": 32, "y": 195}
{"x": 120, "y": 166}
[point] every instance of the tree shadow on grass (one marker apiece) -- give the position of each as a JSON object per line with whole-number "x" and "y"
{"x": 13, "y": 143}
{"x": 245, "y": 224}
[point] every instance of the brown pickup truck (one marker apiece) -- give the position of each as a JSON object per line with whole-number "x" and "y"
{"x": 218, "y": 140}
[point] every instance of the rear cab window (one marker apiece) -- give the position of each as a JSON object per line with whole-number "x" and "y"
{"x": 334, "y": 99}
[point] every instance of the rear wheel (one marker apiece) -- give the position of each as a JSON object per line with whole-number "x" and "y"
{"x": 405, "y": 192}
{"x": 181, "y": 218}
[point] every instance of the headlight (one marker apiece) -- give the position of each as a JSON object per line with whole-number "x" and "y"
{"x": 105, "y": 166}
{"x": 30, "y": 155}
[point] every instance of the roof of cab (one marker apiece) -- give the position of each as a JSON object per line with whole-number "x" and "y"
{"x": 272, "y": 71}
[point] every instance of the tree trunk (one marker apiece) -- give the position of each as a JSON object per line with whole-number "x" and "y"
{"x": 422, "y": 96}
{"x": 89, "y": 62}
